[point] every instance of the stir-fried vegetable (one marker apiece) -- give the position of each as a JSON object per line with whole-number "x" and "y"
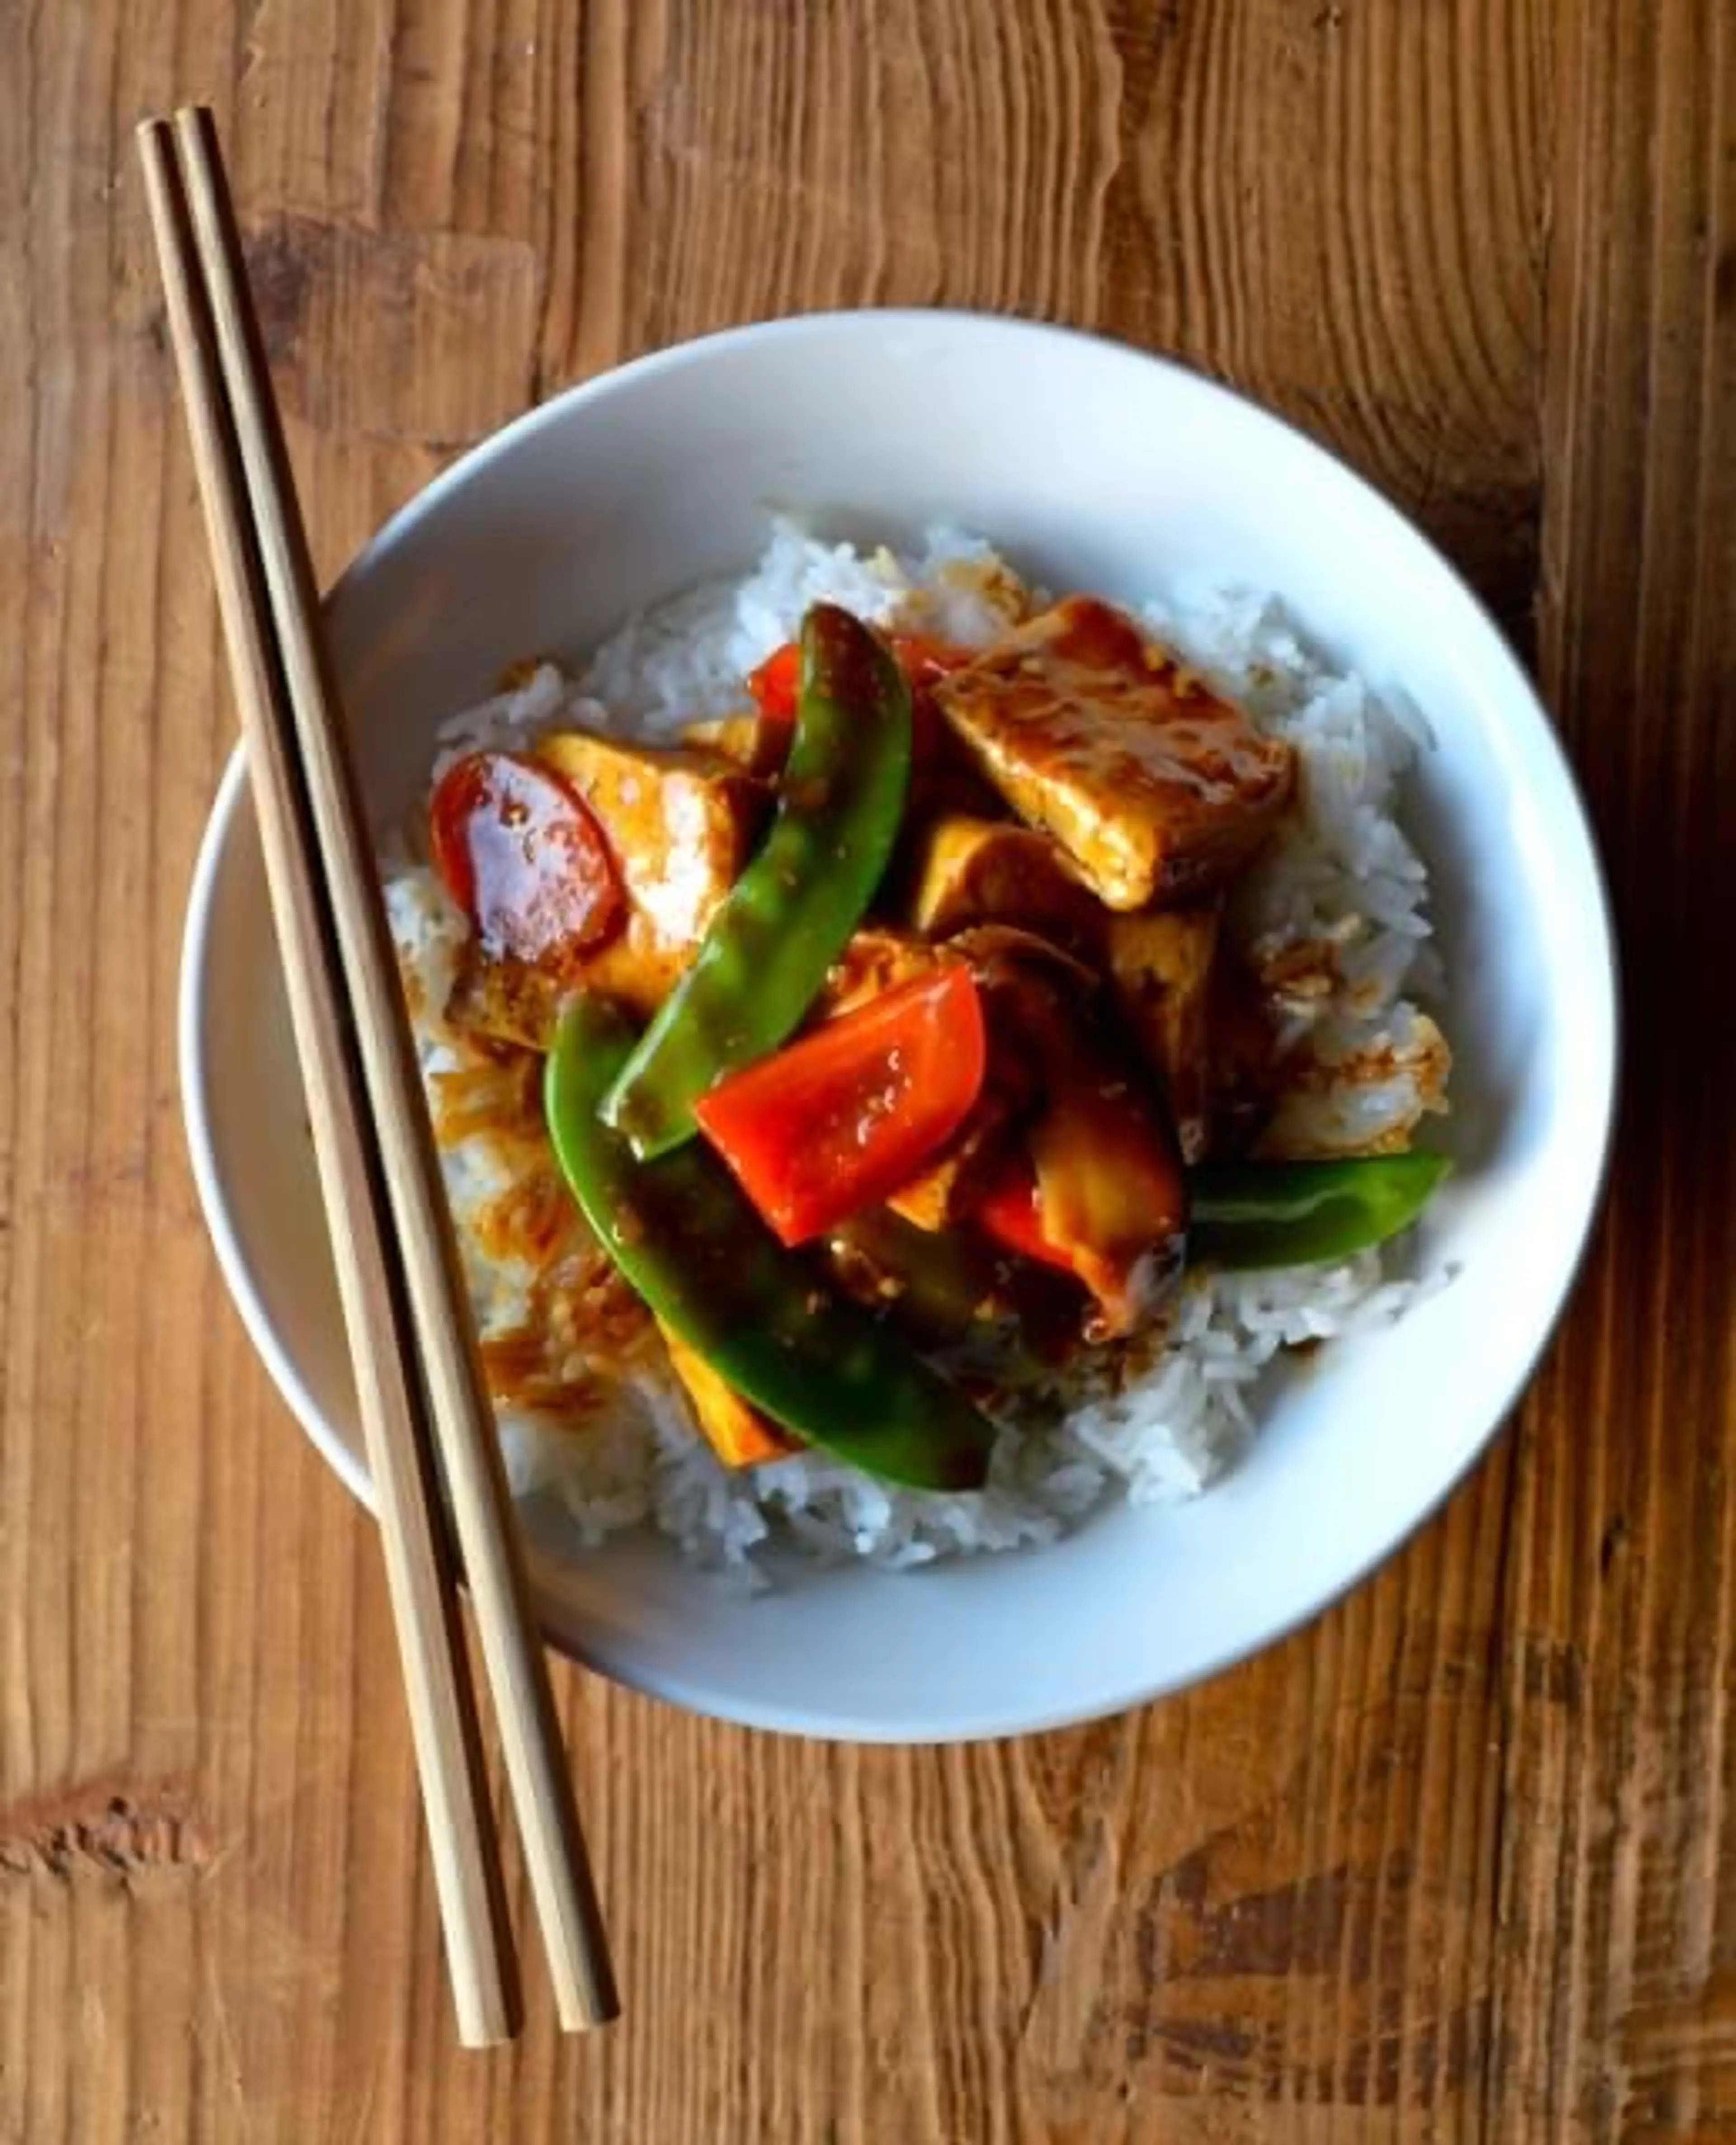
{"x": 1109, "y": 1188}
{"x": 943, "y": 1279}
{"x": 687, "y": 1240}
{"x": 953, "y": 1292}
{"x": 839, "y": 1120}
{"x": 1096, "y": 1188}
{"x": 1109, "y": 1212}
{"x": 522, "y": 854}
{"x": 776, "y": 683}
{"x": 1297, "y": 1213}
{"x": 787, "y": 916}
{"x": 1012, "y": 1212}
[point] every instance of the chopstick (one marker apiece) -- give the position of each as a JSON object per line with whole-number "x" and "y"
{"x": 406, "y": 1308}
{"x": 442, "y": 1709}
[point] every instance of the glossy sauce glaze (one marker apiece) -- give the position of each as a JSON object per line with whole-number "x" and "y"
{"x": 1157, "y": 788}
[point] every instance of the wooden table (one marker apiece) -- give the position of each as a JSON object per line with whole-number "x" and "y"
{"x": 1458, "y": 1861}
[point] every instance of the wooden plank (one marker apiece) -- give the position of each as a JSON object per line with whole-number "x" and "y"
{"x": 1616, "y": 1999}
{"x": 1339, "y": 209}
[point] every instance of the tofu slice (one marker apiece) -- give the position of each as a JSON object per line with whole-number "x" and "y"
{"x": 875, "y": 959}
{"x": 681, "y": 822}
{"x": 1155, "y": 787}
{"x": 503, "y": 998}
{"x": 735, "y": 1430}
{"x": 965, "y": 870}
{"x": 951, "y": 1186}
{"x": 747, "y": 740}
{"x": 1161, "y": 966}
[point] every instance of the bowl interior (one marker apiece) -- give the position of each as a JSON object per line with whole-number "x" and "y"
{"x": 1093, "y": 467}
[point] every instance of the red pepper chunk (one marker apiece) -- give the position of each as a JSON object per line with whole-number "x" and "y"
{"x": 522, "y": 854}
{"x": 836, "y": 1120}
{"x": 775, "y": 684}
{"x": 1011, "y": 1211}
{"x": 921, "y": 657}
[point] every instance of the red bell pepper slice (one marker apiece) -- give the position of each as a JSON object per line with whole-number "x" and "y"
{"x": 773, "y": 685}
{"x": 841, "y": 1117}
{"x": 1011, "y": 1211}
{"x": 921, "y": 657}
{"x": 522, "y": 854}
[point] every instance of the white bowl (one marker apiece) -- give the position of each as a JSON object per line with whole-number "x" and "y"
{"x": 1094, "y": 466}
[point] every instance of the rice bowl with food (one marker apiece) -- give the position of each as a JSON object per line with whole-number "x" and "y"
{"x": 1254, "y": 977}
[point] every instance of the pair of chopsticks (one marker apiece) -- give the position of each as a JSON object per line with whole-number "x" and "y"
{"x": 425, "y": 1410}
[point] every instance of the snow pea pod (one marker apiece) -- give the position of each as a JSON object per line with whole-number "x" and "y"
{"x": 948, "y": 1289}
{"x": 786, "y": 919}
{"x": 1248, "y": 1214}
{"x": 688, "y": 1241}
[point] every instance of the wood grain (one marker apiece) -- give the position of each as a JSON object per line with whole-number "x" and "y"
{"x": 1458, "y": 1861}
{"x": 1620, "y": 1985}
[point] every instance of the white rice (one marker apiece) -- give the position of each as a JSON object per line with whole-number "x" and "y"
{"x": 1340, "y": 897}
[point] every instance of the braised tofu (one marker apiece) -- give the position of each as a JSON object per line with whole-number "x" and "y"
{"x": 1155, "y": 787}
{"x": 874, "y": 959}
{"x": 965, "y": 870}
{"x": 948, "y": 1188}
{"x": 681, "y": 822}
{"x": 503, "y": 998}
{"x": 754, "y": 743}
{"x": 734, "y": 1429}
{"x": 1160, "y": 966}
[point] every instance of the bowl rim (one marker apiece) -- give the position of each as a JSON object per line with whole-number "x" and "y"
{"x": 194, "y": 1056}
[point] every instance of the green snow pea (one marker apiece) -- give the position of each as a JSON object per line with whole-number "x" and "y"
{"x": 786, "y": 919}
{"x": 1296, "y": 1213}
{"x": 688, "y": 1240}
